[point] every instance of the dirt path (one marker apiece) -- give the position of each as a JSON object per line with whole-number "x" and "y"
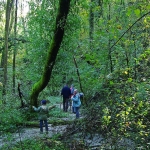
{"x": 28, "y": 133}
{"x": 8, "y": 140}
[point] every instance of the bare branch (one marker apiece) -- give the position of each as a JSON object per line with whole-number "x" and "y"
{"x": 129, "y": 29}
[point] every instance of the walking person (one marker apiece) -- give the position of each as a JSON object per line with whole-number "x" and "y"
{"x": 66, "y": 93}
{"x": 72, "y": 89}
{"x": 76, "y": 102}
{"x": 43, "y": 115}
{"x": 70, "y": 101}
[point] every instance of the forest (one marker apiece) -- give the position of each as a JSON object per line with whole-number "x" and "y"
{"x": 102, "y": 47}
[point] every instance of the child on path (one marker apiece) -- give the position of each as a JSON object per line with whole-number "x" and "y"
{"x": 43, "y": 114}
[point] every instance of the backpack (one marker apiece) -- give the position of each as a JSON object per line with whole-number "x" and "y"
{"x": 81, "y": 95}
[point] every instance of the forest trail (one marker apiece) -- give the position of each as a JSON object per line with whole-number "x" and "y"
{"x": 25, "y": 133}
{"x": 28, "y": 133}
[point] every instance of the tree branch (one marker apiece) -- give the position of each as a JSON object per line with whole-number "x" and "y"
{"x": 17, "y": 39}
{"x": 78, "y": 74}
{"x": 128, "y": 29}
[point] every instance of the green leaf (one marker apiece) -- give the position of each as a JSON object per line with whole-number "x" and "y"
{"x": 129, "y": 79}
{"x": 137, "y": 12}
{"x": 111, "y": 82}
{"x": 129, "y": 12}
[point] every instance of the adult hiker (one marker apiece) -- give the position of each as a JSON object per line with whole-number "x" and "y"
{"x": 66, "y": 93}
{"x": 76, "y": 102}
{"x": 72, "y": 89}
{"x": 70, "y": 101}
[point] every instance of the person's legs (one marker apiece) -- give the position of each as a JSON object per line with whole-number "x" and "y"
{"x": 64, "y": 107}
{"x": 77, "y": 112}
{"x": 41, "y": 126}
{"x": 69, "y": 103}
{"x": 46, "y": 125}
{"x": 66, "y": 104}
{"x": 73, "y": 110}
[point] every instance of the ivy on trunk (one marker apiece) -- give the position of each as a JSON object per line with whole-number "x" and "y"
{"x": 63, "y": 11}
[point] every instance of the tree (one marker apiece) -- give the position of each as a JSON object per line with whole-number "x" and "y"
{"x": 5, "y": 52}
{"x": 63, "y": 11}
{"x": 91, "y": 23}
{"x": 15, "y": 48}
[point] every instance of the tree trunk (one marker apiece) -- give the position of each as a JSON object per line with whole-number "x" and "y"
{"x": 100, "y": 4}
{"x": 63, "y": 11}
{"x": 5, "y": 52}
{"x": 78, "y": 74}
{"x": 15, "y": 47}
{"x": 109, "y": 49}
{"x": 23, "y": 19}
{"x": 91, "y": 23}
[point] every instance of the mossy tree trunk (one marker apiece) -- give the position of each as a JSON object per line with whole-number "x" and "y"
{"x": 63, "y": 11}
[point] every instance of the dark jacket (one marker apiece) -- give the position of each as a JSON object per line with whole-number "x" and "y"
{"x": 66, "y": 92}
